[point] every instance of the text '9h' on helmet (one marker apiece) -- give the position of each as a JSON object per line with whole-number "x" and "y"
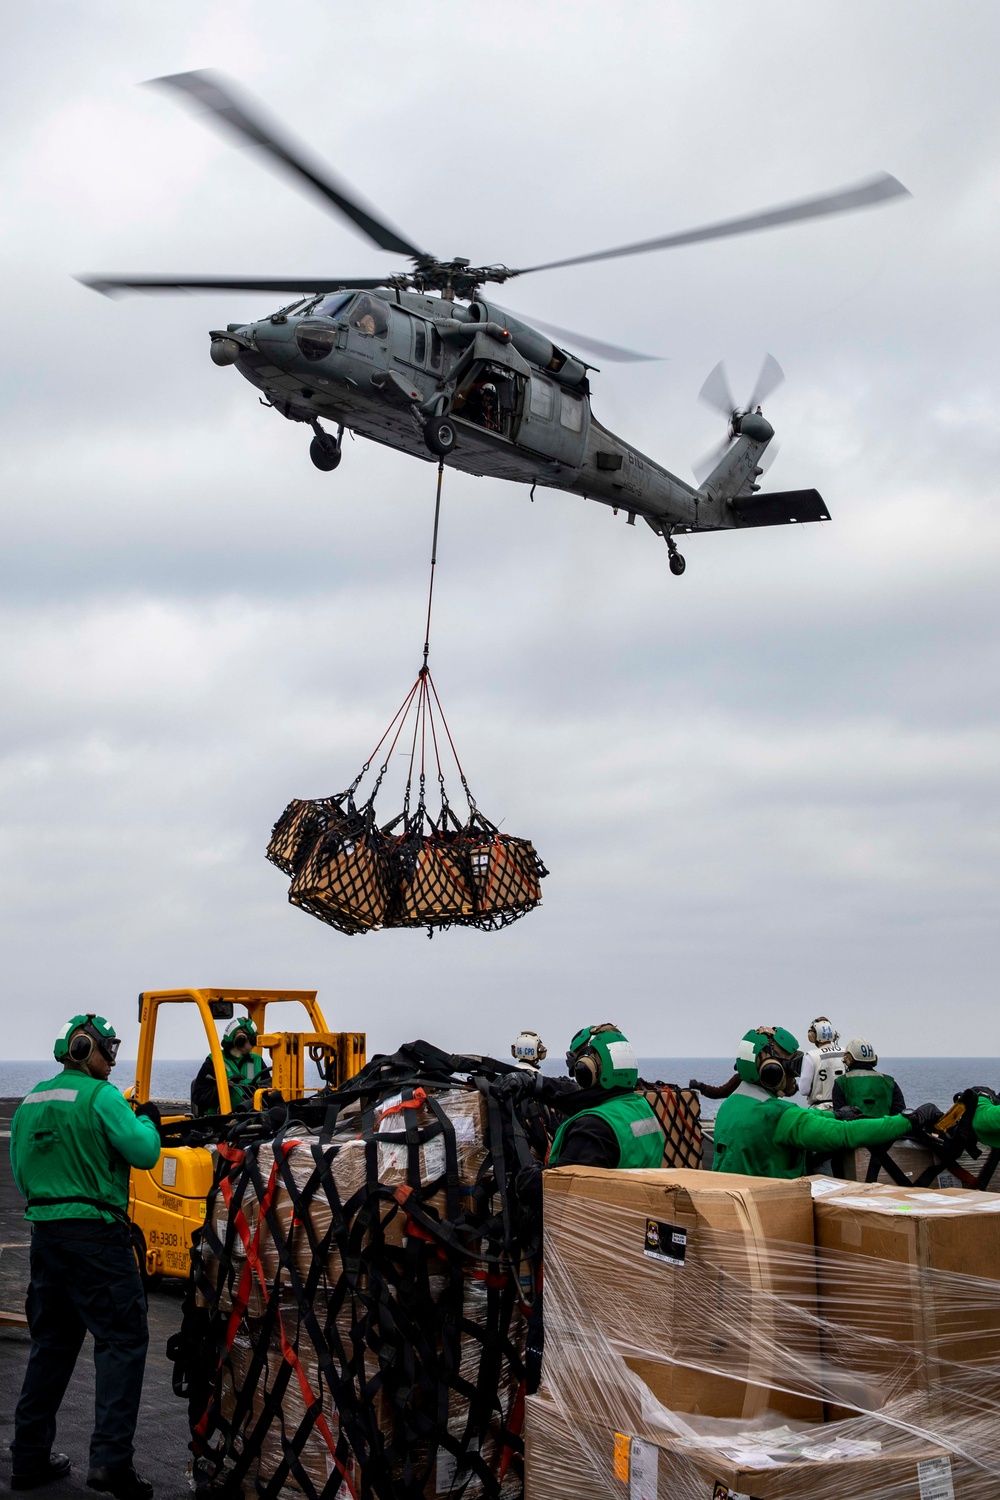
{"x": 759, "y": 1061}
{"x": 84, "y": 1035}
{"x": 528, "y": 1047}
{"x": 242, "y": 1026}
{"x": 602, "y": 1056}
{"x": 860, "y": 1051}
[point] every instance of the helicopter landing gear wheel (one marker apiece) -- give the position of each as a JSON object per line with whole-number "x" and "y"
{"x": 677, "y": 563}
{"x": 325, "y": 451}
{"x": 439, "y": 435}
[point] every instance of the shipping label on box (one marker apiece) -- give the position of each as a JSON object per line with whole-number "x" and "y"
{"x": 934, "y": 1478}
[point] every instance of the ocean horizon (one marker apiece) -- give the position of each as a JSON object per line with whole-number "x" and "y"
{"x": 922, "y": 1079}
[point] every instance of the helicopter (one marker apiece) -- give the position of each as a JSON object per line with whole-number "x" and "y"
{"x": 421, "y": 361}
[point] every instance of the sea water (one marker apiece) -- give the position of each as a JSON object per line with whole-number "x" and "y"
{"x": 922, "y": 1079}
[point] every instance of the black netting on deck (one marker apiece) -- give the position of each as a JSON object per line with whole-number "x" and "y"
{"x": 357, "y": 1319}
{"x": 679, "y": 1113}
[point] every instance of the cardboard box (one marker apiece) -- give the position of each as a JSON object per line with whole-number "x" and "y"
{"x": 566, "y": 1459}
{"x": 697, "y": 1280}
{"x": 909, "y": 1296}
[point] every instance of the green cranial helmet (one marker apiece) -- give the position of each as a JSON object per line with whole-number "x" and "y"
{"x": 242, "y": 1024}
{"x": 100, "y": 1031}
{"x": 757, "y": 1041}
{"x": 605, "y": 1055}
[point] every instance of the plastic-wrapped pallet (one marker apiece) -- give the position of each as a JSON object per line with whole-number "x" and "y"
{"x": 700, "y": 1343}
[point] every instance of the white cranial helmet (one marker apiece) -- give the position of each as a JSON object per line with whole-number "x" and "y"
{"x": 528, "y": 1047}
{"x": 862, "y": 1051}
{"x": 825, "y": 1032}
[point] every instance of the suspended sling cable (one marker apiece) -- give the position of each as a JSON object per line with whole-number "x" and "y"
{"x": 358, "y": 874}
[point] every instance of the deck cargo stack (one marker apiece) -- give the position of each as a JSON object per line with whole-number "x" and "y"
{"x": 712, "y": 1336}
{"x": 360, "y": 1304}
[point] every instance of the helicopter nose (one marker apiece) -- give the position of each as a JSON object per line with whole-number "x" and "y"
{"x": 276, "y": 340}
{"x": 224, "y": 351}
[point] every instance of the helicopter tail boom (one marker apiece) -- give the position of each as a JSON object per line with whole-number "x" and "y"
{"x": 735, "y": 476}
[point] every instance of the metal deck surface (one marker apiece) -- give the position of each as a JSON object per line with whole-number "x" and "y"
{"x": 162, "y": 1436}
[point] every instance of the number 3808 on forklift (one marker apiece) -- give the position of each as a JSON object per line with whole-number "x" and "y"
{"x": 419, "y": 360}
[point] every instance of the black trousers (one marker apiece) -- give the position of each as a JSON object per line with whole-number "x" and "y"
{"x": 84, "y": 1279}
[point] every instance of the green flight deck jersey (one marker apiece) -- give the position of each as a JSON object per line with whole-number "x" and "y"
{"x": 868, "y": 1091}
{"x": 986, "y": 1123}
{"x": 763, "y": 1136}
{"x": 636, "y": 1128}
{"x": 72, "y": 1141}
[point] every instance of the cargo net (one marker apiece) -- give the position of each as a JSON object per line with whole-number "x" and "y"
{"x": 355, "y": 1324}
{"x": 423, "y": 868}
{"x": 679, "y": 1113}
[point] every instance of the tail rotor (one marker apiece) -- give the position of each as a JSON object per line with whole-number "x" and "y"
{"x": 717, "y": 393}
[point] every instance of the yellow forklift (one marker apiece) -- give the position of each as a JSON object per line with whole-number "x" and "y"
{"x": 167, "y": 1204}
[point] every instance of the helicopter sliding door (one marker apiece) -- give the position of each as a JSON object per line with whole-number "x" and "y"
{"x": 554, "y": 421}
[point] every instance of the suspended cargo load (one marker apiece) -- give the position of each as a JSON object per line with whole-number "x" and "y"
{"x": 421, "y": 868}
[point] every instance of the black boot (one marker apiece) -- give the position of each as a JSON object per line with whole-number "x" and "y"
{"x": 57, "y": 1466}
{"x": 122, "y": 1481}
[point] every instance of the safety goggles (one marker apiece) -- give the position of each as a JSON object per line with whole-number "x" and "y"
{"x": 108, "y": 1047}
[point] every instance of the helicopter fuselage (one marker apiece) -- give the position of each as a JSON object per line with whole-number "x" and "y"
{"x": 384, "y": 362}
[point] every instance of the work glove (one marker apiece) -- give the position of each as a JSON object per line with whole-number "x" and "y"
{"x": 848, "y": 1112}
{"x": 981, "y": 1090}
{"x": 150, "y": 1111}
{"x": 696, "y": 1084}
{"x": 520, "y": 1083}
{"x": 921, "y": 1117}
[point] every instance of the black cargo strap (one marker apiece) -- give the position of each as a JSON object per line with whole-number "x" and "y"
{"x": 418, "y": 1338}
{"x": 117, "y": 1213}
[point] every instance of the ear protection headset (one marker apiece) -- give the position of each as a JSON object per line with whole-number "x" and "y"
{"x": 92, "y": 1033}
{"x": 587, "y": 1069}
{"x": 777, "y": 1073}
{"x": 242, "y": 1026}
{"x": 758, "y": 1062}
{"x": 602, "y": 1055}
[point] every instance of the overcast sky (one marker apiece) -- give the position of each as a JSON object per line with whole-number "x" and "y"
{"x": 765, "y": 789}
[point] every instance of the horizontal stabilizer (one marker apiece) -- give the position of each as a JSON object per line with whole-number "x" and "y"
{"x": 783, "y": 508}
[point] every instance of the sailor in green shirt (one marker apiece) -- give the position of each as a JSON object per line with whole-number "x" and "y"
{"x": 861, "y": 1090}
{"x": 986, "y": 1121}
{"x": 760, "y": 1131}
{"x": 246, "y": 1070}
{"x": 73, "y": 1140}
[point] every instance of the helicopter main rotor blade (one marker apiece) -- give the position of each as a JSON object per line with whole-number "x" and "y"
{"x": 109, "y": 285}
{"x": 611, "y": 352}
{"x": 865, "y": 194}
{"x": 770, "y": 377}
{"x": 715, "y": 392}
{"x": 217, "y": 95}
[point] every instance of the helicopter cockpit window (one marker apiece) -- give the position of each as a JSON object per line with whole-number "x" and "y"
{"x": 315, "y": 340}
{"x": 332, "y": 305}
{"x": 369, "y": 316}
{"x": 571, "y": 412}
{"x": 541, "y": 398}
